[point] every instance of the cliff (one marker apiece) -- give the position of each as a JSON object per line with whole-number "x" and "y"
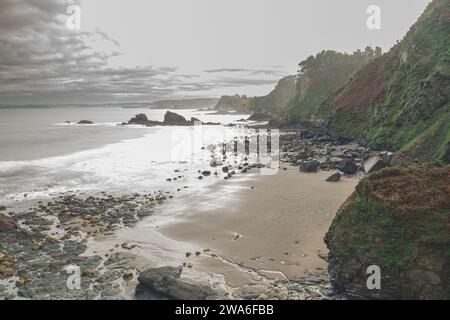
{"x": 401, "y": 101}
{"x": 397, "y": 219}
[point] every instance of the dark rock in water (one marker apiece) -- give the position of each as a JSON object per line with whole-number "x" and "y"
{"x": 225, "y": 169}
{"x": 347, "y": 166}
{"x": 165, "y": 282}
{"x": 85, "y": 122}
{"x": 140, "y": 119}
{"x": 334, "y": 177}
{"x": 174, "y": 119}
{"x": 206, "y": 173}
{"x": 374, "y": 164}
{"x": 309, "y": 166}
{"x": 259, "y": 117}
{"x": 391, "y": 222}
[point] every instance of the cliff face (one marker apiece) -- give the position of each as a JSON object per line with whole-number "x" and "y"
{"x": 323, "y": 74}
{"x": 274, "y": 104}
{"x": 233, "y": 103}
{"x": 401, "y": 100}
{"x": 399, "y": 220}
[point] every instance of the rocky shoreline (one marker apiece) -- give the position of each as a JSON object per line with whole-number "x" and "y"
{"x": 37, "y": 244}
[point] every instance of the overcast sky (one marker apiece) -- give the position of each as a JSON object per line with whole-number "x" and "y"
{"x": 144, "y": 50}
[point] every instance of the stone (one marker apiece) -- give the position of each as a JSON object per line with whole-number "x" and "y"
{"x": 140, "y": 119}
{"x": 374, "y": 164}
{"x": 165, "y": 282}
{"x": 347, "y": 166}
{"x": 174, "y": 119}
{"x": 309, "y": 166}
{"x": 127, "y": 276}
{"x": 85, "y": 122}
{"x": 334, "y": 177}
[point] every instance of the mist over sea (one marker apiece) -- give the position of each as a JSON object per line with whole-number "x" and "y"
{"x": 42, "y": 155}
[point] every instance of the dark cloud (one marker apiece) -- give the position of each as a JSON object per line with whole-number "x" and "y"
{"x": 43, "y": 61}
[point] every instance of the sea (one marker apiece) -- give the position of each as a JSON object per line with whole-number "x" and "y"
{"x": 44, "y": 152}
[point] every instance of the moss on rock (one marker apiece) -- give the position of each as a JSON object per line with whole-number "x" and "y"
{"x": 398, "y": 219}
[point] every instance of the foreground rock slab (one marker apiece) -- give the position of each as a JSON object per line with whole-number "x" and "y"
{"x": 165, "y": 282}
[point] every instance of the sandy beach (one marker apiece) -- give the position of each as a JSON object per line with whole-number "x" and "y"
{"x": 277, "y": 222}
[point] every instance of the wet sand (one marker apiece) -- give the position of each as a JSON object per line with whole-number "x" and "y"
{"x": 281, "y": 221}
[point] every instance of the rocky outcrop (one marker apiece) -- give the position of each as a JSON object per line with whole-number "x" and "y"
{"x": 140, "y": 119}
{"x": 398, "y": 220}
{"x": 170, "y": 119}
{"x": 85, "y": 122}
{"x": 235, "y": 103}
{"x": 166, "y": 282}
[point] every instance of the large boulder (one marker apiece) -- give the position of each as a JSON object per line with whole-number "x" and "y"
{"x": 140, "y": 119}
{"x": 85, "y": 122}
{"x": 374, "y": 164}
{"x": 165, "y": 282}
{"x": 174, "y": 119}
{"x": 347, "y": 166}
{"x": 398, "y": 220}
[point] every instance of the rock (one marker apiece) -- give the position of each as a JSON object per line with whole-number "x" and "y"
{"x": 206, "y": 173}
{"x": 7, "y": 224}
{"x": 174, "y": 119}
{"x": 85, "y": 122}
{"x": 374, "y": 164}
{"x": 309, "y": 166}
{"x": 334, "y": 177}
{"x": 165, "y": 282}
{"x": 23, "y": 282}
{"x": 236, "y": 236}
{"x": 347, "y": 166}
{"x": 390, "y": 221}
{"x": 127, "y": 276}
{"x": 225, "y": 169}
{"x": 215, "y": 162}
{"x": 140, "y": 119}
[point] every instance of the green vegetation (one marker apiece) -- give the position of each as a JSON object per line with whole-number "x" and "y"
{"x": 402, "y": 99}
{"x": 398, "y": 219}
{"x": 275, "y": 102}
{"x": 321, "y": 75}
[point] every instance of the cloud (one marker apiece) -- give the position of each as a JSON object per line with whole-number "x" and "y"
{"x": 273, "y": 71}
{"x": 43, "y": 61}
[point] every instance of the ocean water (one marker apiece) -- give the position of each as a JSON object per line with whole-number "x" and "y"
{"x": 41, "y": 155}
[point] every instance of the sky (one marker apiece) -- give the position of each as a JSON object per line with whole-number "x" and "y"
{"x": 146, "y": 50}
